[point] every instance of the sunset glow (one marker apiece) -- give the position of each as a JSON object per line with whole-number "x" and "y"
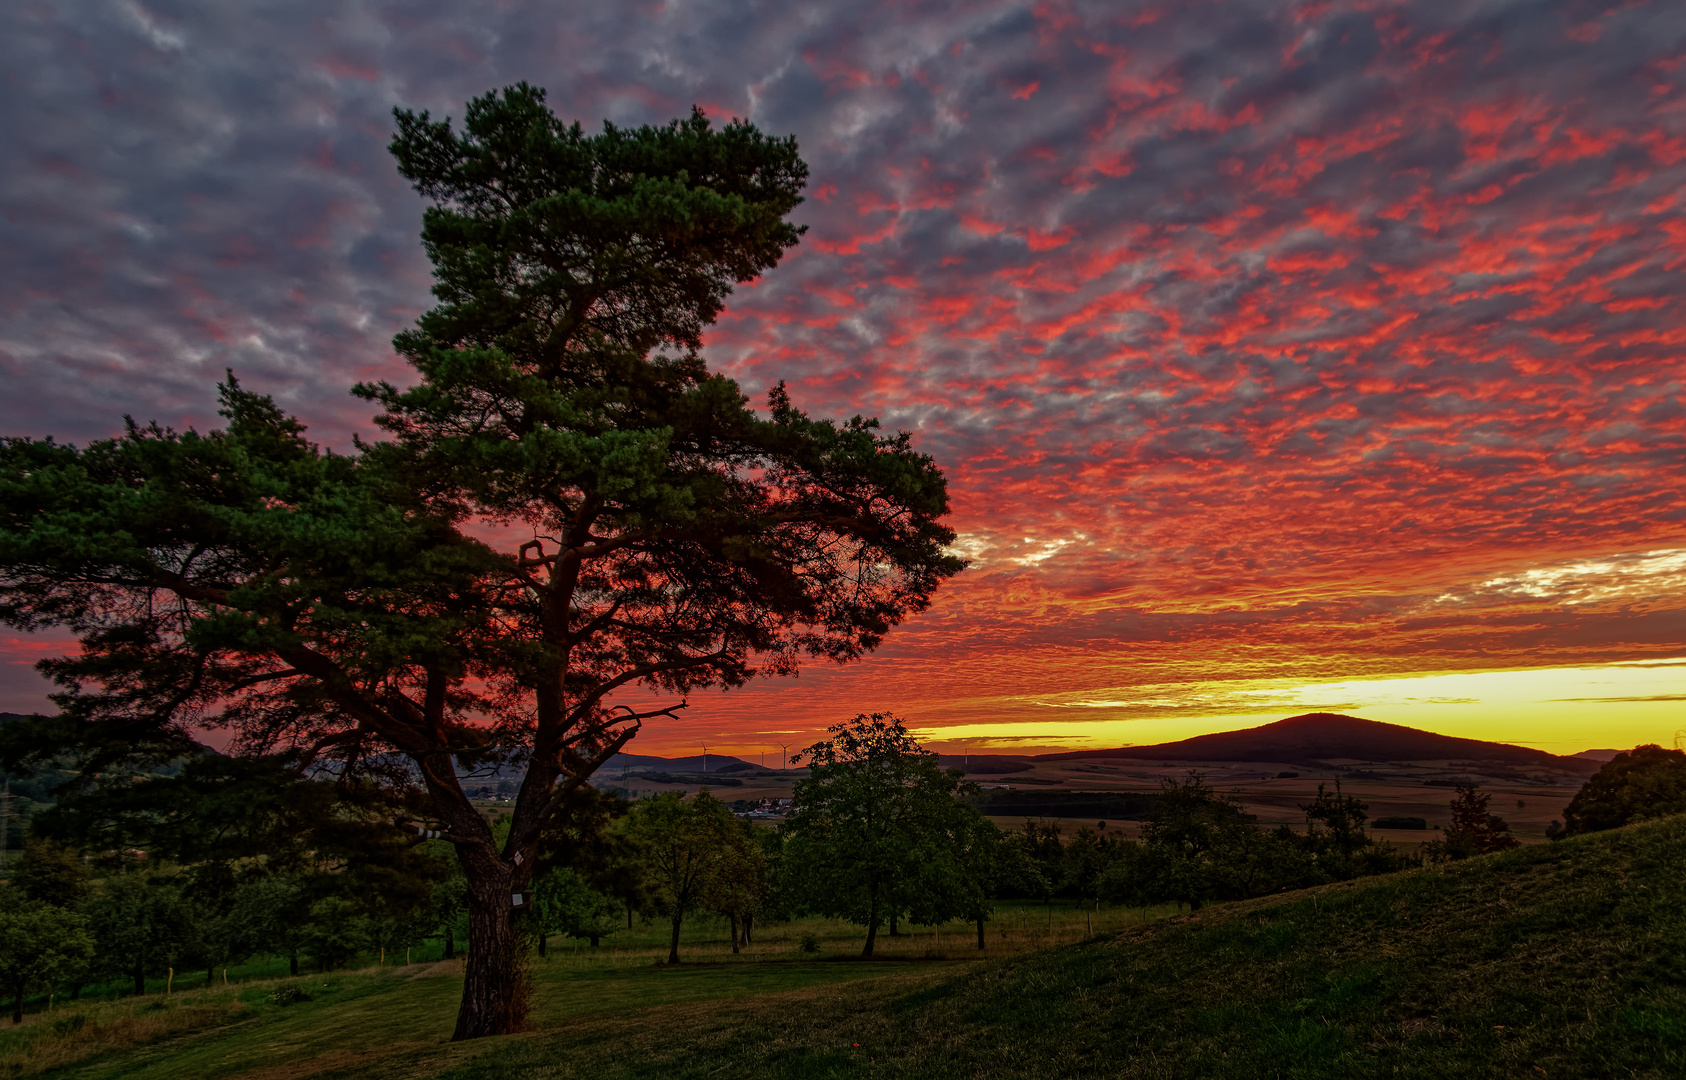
{"x": 1281, "y": 357}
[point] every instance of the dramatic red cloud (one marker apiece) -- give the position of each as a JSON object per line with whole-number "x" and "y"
{"x": 1261, "y": 342}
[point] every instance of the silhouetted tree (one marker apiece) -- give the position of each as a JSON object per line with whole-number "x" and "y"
{"x": 1645, "y": 782}
{"x": 349, "y": 609}
{"x": 1474, "y": 830}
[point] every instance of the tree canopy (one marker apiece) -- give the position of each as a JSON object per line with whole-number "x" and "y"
{"x": 1644, "y": 782}
{"x": 565, "y": 505}
{"x": 876, "y": 829}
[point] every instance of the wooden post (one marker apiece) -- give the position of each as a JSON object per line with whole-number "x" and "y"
{"x": 170, "y": 981}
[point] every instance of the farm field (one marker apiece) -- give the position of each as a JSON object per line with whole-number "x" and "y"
{"x": 1562, "y": 960}
{"x": 1399, "y": 790}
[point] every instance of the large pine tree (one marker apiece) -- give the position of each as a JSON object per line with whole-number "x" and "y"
{"x": 567, "y": 504}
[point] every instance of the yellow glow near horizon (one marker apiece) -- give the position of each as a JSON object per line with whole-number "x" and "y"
{"x": 1560, "y": 710}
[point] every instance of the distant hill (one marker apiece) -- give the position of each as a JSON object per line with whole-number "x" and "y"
{"x": 723, "y": 763}
{"x": 1315, "y": 737}
{"x": 1600, "y": 756}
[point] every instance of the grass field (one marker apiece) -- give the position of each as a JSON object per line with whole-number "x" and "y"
{"x": 1564, "y": 960}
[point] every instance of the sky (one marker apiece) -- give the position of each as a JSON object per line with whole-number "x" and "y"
{"x": 1280, "y": 356}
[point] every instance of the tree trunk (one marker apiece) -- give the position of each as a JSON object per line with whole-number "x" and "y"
{"x": 140, "y": 978}
{"x": 543, "y": 937}
{"x": 629, "y": 914}
{"x": 734, "y": 918}
{"x": 293, "y": 962}
{"x": 748, "y": 922}
{"x": 450, "y": 944}
{"x": 595, "y": 938}
{"x": 893, "y": 931}
{"x": 871, "y": 918}
{"x": 17, "y": 1007}
{"x": 673, "y": 942}
{"x": 980, "y": 931}
{"x": 210, "y": 976}
{"x": 494, "y": 988}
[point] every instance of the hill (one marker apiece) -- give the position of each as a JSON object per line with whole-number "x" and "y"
{"x": 1320, "y": 737}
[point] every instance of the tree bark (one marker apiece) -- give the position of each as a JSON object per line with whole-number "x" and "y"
{"x": 450, "y": 944}
{"x": 748, "y": 922}
{"x": 140, "y": 978}
{"x": 494, "y": 991}
{"x": 17, "y": 1007}
{"x": 543, "y": 937}
{"x": 980, "y": 931}
{"x": 293, "y": 962}
{"x": 673, "y": 943}
{"x": 734, "y": 918}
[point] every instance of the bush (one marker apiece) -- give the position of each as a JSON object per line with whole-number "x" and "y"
{"x": 288, "y": 994}
{"x": 810, "y": 944}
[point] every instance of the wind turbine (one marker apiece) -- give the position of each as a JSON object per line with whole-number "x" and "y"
{"x": 705, "y": 761}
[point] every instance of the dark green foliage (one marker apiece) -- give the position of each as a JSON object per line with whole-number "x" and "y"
{"x": 41, "y": 947}
{"x": 1645, "y": 782}
{"x": 51, "y": 873}
{"x": 141, "y": 924}
{"x": 564, "y": 902}
{"x": 1199, "y": 845}
{"x": 878, "y": 828}
{"x": 686, "y": 848}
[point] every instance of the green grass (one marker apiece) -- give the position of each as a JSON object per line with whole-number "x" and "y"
{"x": 1566, "y": 961}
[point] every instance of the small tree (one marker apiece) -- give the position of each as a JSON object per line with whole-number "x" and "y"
{"x": 874, "y": 828}
{"x": 1342, "y": 815}
{"x": 140, "y": 924}
{"x": 40, "y": 947}
{"x": 1474, "y": 830}
{"x": 1041, "y": 855}
{"x": 683, "y": 845}
{"x": 269, "y": 914}
{"x": 739, "y": 883}
{"x": 1199, "y": 845}
{"x": 1644, "y": 782}
{"x": 565, "y": 902}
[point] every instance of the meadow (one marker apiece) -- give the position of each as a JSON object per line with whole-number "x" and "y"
{"x": 263, "y": 1022}
{"x": 1561, "y": 960}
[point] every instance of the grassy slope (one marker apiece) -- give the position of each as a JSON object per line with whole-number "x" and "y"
{"x": 1566, "y": 960}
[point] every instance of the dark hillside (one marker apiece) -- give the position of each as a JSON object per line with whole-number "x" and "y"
{"x": 1565, "y": 960}
{"x": 1315, "y": 737}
